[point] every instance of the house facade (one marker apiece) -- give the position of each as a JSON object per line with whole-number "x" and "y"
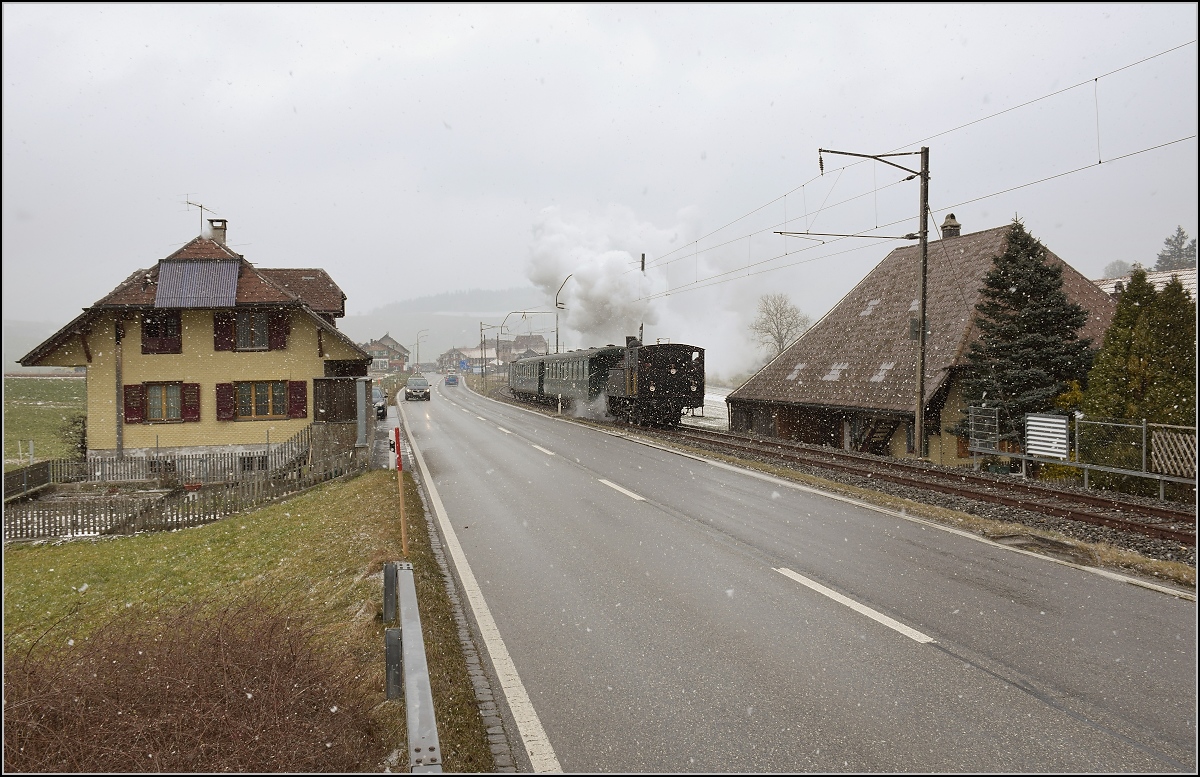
{"x": 387, "y": 355}
{"x": 850, "y": 381}
{"x": 206, "y": 353}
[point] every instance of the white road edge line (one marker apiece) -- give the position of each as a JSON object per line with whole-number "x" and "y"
{"x": 862, "y": 609}
{"x": 543, "y": 450}
{"x": 537, "y": 744}
{"x": 627, "y": 493}
{"x": 1114, "y": 576}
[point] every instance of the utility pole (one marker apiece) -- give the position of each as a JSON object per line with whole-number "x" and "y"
{"x": 919, "y": 426}
{"x": 642, "y": 326}
{"x": 921, "y": 234}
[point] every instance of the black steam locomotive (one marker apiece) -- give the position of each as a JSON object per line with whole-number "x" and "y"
{"x": 650, "y": 385}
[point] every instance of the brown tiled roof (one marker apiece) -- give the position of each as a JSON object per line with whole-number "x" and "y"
{"x": 313, "y": 286}
{"x": 202, "y": 248}
{"x": 860, "y": 355}
{"x": 311, "y": 289}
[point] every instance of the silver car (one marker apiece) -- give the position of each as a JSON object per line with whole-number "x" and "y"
{"x": 417, "y": 388}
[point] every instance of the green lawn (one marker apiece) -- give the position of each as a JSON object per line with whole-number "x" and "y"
{"x": 36, "y": 409}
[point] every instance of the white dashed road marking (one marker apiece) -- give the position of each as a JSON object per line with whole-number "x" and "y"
{"x": 626, "y": 492}
{"x": 911, "y": 633}
{"x": 543, "y": 450}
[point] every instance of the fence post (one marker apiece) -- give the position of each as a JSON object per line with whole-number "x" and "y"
{"x": 1144, "y": 446}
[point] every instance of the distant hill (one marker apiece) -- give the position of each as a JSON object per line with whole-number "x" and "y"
{"x": 21, "y": 337}
{"x": 452, "y": 319}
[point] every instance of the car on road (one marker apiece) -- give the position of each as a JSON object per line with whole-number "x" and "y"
{"x": 452, "y": 379}
{"x": 380, "y": 402}
{"x": 416, "y": 388}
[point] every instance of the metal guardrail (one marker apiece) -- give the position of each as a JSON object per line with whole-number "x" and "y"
{"x": 404, "y": 654}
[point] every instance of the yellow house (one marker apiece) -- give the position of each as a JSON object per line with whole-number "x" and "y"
{"x": 205, "y": 353}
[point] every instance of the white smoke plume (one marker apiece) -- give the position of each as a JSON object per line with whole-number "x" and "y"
{"x": 605, "y": 299}
{"x": 608, "y": 297}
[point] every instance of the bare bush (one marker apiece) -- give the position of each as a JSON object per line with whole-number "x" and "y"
{"x": 241, "y": 687}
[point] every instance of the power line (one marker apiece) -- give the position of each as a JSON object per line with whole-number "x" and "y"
{"x": 719, "y": 278}
{"x": 656, "y": 262}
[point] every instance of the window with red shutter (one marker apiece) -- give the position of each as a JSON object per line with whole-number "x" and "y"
{"x": 226, "y": 402}
{"x": 162, "y": 332}
{"x": 279, "y": 325}
{"x": 297, "y": 399}
{"x": 191, "y": 402}
{"x": 223, "y": 331}
{"x": 135, "y": 402}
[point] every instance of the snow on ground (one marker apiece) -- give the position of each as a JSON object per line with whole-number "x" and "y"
{"x": 716, "y": 412}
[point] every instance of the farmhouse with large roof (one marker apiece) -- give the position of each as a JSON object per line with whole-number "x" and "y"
{"x": 851, "y": 380}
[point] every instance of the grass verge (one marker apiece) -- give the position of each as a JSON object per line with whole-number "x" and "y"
{"x": 315, "y": 560}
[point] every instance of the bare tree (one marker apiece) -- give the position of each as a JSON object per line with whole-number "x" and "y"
{"x": 778, "y": 324}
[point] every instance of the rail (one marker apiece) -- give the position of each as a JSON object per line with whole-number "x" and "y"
{"x": 407, "y": 671}
{"x": 1162, "y": 521}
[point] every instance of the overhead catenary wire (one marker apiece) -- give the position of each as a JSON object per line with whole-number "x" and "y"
{"x": 720, "y": 277}
{"x": 659, "y": 261}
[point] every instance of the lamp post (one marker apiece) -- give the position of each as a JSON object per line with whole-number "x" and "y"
{"x": 417, "y": 350}
{"x": 523, "y": 314}
{"x": 483, "y": 350}
{"x": 557, "y": 307}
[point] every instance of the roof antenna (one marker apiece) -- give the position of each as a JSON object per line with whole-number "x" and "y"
{"x": 202, "y": 209}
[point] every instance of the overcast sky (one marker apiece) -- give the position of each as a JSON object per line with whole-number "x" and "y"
{"x": 415, "y": 149}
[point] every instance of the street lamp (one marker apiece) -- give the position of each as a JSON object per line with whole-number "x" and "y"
{"x": 483, "y": 350}
{"x": 417, "y": 349}
{"x": 557, "y": 307}
{"x": 523, "y": 314}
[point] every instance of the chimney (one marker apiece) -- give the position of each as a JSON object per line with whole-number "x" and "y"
{"x": 218, "y": 229}
{"x": 950, "y": 227}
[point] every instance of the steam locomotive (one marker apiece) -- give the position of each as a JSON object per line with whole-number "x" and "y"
{"x": 649, "y": 385}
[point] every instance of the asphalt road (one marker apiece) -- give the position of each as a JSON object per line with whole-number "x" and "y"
{"x": 650, "y": 611}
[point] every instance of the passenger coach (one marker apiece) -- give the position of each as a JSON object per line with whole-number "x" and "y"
{"x": 642, "y": 384}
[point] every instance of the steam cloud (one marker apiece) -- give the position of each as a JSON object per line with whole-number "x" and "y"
{"x": 605, "y": 299}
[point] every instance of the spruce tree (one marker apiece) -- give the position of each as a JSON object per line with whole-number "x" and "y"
{"x": 1119, "y": 378}
{"x": 1177, "y": 253}
{"x": 1171, "y": 395}
{"x": 1029, "y": 345}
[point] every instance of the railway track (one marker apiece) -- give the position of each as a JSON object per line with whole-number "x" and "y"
{"x": 1159, "y": 521}
{"x": 1162, "y": 521}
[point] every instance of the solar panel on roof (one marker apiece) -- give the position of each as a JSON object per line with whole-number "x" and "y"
{"x": 197, "y": 284}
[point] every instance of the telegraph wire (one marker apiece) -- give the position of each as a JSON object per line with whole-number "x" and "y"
{"x": 719, "y": 278}
{"x": 656, "y": 262}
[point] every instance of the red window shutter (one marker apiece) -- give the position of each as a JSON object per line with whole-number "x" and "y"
{"x": 223, "y": 337}
{"x": 190, "y": 404}
{"x": 135, "y": 403}
{"x": 226, "y": 402}
{"x": 297, "y": 399}
{"x": 279, "y": 325}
